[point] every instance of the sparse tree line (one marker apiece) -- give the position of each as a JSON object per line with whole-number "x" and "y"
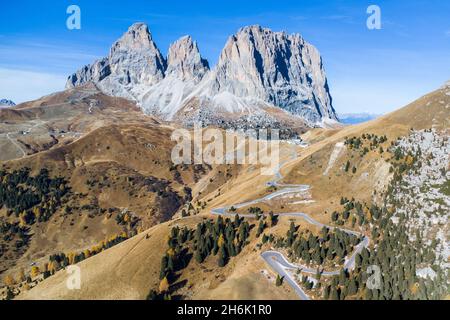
{"x": 354, "y": 213}
{"x": 222, "y": 238}
{"x": 31, "y": 198}
{"x": 167, "y": 199}
{"x": 193, "y": 208}
{"x": 402, "y": 162}
{"x": 28, "y": 199}
{"x": 330, "y": 246}
{"x": 60, "y": 261}
{"x": 198, "y": 170}
{"x": 365, "y": 143}
{"x": 10, "y": 232}
{"x": 127, "y": 219}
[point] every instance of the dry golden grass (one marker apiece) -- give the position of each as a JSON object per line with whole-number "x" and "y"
{"x": 130, "y": 270}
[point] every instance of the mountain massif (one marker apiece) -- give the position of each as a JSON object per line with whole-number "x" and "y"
{"x": 259, "y": 74}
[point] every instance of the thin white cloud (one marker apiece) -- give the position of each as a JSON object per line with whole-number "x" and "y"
{"x": 21, "y": 85}
{"x": 42, "y": 56}
{"x": 47, "y": 53}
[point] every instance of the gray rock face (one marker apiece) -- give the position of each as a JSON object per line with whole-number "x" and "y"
{"x": 134, "y": 61}
{"x": 185, "y": 69}
{"x": 257, "y": 68}
{"x": 95, "y": 72}
{"x": 277, "y": 68}
{"x": 185, "y": 62}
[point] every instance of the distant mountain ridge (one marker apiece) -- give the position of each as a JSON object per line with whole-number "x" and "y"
{"x": 258, "y": 69}
{"x": 6, "y": 103}
{"x": 355, "y": 118}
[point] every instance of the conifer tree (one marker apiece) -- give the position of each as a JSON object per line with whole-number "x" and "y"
{"x": 9, "y": 294}
{"x": 368, "y": 294}
{"x": 279, "y": 280}
{"x": 326, "y": 293}
{"x": 153, "y": 295}
{"x": 334, "y": 294}
{"x": 352, "y": 289}
{"x": 347, "y": 166}
{"x": 198, "y": 256}
{"x": 222, "y": 260}
{"x": 261, "y": 227}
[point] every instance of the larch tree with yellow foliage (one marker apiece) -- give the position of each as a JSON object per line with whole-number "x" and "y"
{"x": 87, "y": 253}
{"x": 22, "y": 219}
{"x": 220, "y": 241}
{"x": 9, "y": 281}
{"x": 164, "y": 285}
{"x": 35, "y": 271}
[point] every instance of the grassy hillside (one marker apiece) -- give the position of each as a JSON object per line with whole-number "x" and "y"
{"x": 351, "y": 162}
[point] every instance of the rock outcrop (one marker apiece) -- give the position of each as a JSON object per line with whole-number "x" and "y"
{"x": 184, "y": 61}
{"x": 134, "y": 63}
{"x": 185, "y": 69}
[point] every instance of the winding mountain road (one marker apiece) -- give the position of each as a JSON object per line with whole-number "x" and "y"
{"x": 275, "y": 259}
{"x": 87, "y": 94}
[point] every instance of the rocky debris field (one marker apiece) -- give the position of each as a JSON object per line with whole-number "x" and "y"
{"x": 424, "y": 194}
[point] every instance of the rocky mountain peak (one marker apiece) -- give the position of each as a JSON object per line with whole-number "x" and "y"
{"x": 277, "y": 68}
{"x": 138, "y": 37}
{"x": 256, "y": 29}
{"x": 135, "y": 58}
{"x": 184, "y": 60}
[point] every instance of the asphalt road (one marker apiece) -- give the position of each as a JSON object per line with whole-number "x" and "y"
{"x": 275, "y": 259}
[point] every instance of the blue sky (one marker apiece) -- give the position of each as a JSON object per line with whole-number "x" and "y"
{"x": 372, "y": 71}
